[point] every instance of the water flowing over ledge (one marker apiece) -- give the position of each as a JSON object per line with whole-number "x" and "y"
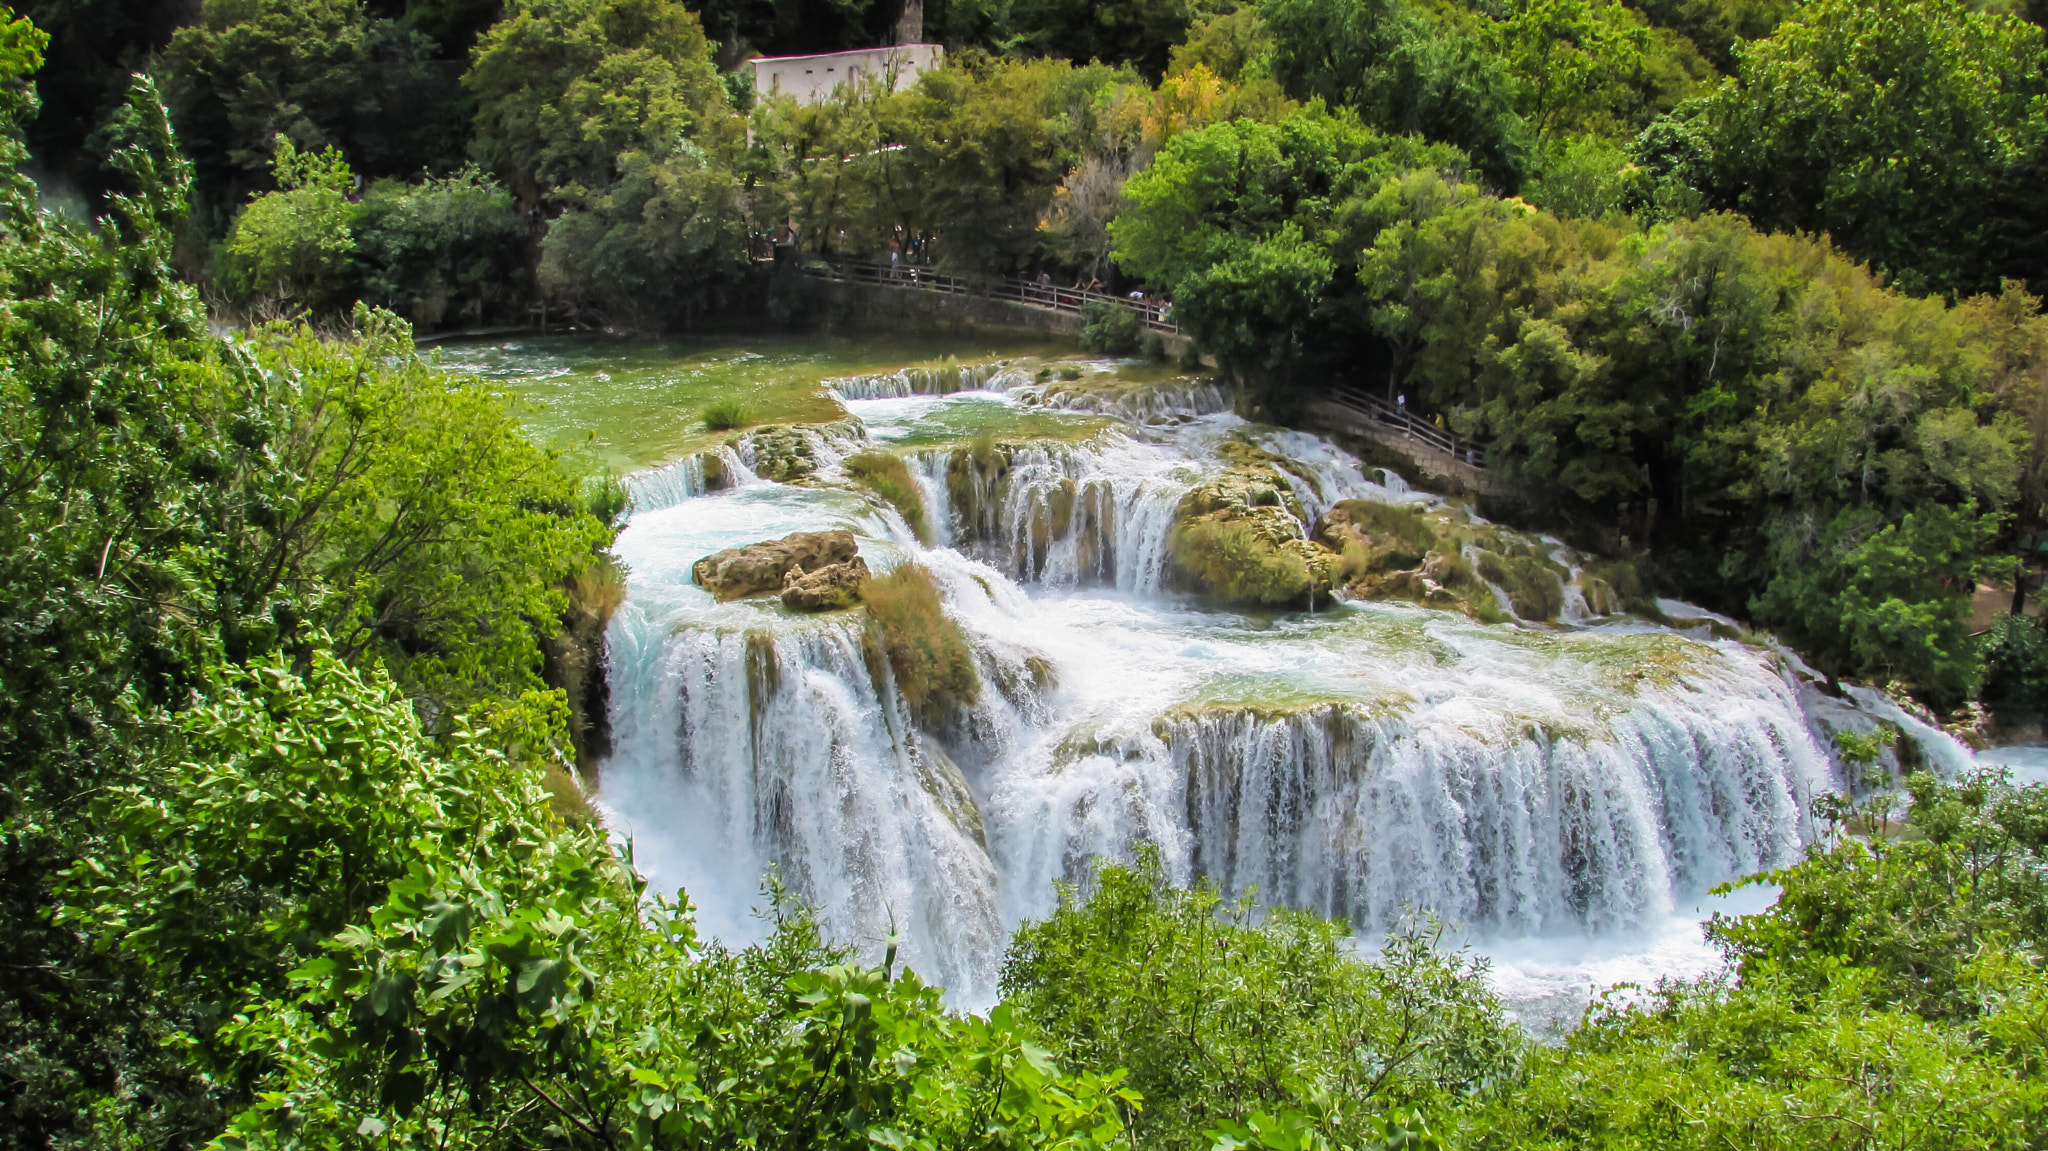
{"x": 1364, "y": 762}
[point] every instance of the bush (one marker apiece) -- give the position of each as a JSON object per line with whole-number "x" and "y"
{"x": 1223, "y": 1019}
{"x": 2015, "y": 657}
{"x": 292, "y": 246}
{"x": 934, "y": 666}
{"x": 450, "y": 249}
{"x": 887, "y": 476}
{"x": 1234, "y": 561}
{"x": 725, "y": 415}
{"x": 1110, "y": 329}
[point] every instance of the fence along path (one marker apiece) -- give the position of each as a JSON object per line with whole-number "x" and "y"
{"x": 1373, "y": 409}
{"x": 1153, "y": 314}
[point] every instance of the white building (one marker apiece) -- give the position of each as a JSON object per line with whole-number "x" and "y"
{"x": 814, "y": 78}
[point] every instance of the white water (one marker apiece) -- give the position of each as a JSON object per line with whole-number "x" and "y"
{"x": 1533, "y": 786}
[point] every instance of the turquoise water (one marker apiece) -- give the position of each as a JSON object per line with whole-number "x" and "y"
{"x": 624, "y": 404}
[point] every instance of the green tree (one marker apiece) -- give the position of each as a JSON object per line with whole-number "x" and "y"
{"x": 444, "y": 250}
{"x": 293, "y": 246}
{"x": 1254, "y": 231}
{"x": 1224, "y": 1019}
{"x": 1904, "y": 131}
{"x": 1403, "y": 75}
{"x": 324, "y": 73}
{"x": 565, "y": 88}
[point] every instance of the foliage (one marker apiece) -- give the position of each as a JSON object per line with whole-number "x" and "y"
{"x": 661, "y": 244}
{"x": 1904, "y": 131}
{"x": 613, "y": 106}
{"x": 888, "y": 477}
{"x": 324, "y": 73}
{"x": 1403, "y": 74}
{"x": 565, "y": 89}
{"x": 430, "y": 532}
{"x": 933, "y": 665}
{"x": 1110, "y": 329}
{"x": 1140, "y": 33}
{"x": 424, "y": 956}
{"x": 1226, "y": 1018}
{"x": 444, "y": 250}
{"x": 293, "y": 246}
{"x": 1243, "y": 224}
{"x": 2015, "y": 656}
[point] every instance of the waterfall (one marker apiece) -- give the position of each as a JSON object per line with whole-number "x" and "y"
{"x": 939, "y": 381}
{"x": 1156, "y": 404}
{"x": 789, "y": 748}
{"x": 1056, "y": 514}
{"x": 1362, "y": 762}
{"x": 687, "y": 478}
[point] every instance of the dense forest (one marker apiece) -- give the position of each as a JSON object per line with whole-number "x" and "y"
{"x": 296, "y": 628}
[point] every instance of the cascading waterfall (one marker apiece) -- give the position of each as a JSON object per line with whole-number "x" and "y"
{"x": 1059, "y": 515}
{"x": 687, "y": 478}
{"x": 1156, "y": 404}
{"x": 1364, "y": 761}
{"x": 929, "y": 381}
{"x": 789, "y": 750}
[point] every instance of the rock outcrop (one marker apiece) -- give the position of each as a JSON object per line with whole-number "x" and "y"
{"x": 829, "y": 588}
{"x": 762, "y": 567}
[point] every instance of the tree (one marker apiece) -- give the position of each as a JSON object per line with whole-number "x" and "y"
{"x": 1903, "y": 131}
{"x": 293, "y": 246}
{"x": 1403, "y": 75}
{"x": 1224, "y": 1019}
{"x": 565, "y": 88}
{"x": 446, "y": 249}
{"x": 322, "y": 72}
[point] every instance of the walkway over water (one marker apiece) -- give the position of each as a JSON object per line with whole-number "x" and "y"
{"x": 1153, "y": 314}
{"x": 1436, "y": 450}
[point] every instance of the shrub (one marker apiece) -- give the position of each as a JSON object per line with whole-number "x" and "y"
{"x": 293, "y": 246}
{"x": 2015, "y": 655}
{"x": 444, "y": 250}
{"x": 1110, "y": 329}
{"x": 1223, "y": 1018}
{"x": 1233, "y": 561}
{"x": 888, "y": 477}
{"x": 725, "y": 415}
{"x": 934, "y": 667}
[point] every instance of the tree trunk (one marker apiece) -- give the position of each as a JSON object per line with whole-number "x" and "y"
{"x": 910, "y": 27}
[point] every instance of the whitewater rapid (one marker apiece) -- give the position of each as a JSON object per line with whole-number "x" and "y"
{"x": 1548, "y": 790}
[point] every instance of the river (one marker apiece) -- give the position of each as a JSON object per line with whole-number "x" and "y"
{"x": 1563, "y": 794}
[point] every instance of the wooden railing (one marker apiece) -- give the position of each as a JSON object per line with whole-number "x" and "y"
{"x": 1153, "y": 314}
{"x": 1397, "y": 417}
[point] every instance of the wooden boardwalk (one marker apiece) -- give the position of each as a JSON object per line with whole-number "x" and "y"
{"x": 1154, "y": 315}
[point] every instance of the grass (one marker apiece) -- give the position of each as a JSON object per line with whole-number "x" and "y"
{"x": 934, "y": 666}
{"x": 888, "y": 477}
{"x": 725, "y": 415}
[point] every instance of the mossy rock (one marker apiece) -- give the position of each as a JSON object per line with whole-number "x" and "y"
{"x": 1532, "y": 585}
{"x": 782, "y": 453}
{"x": 1615, "y": 586}
{"x": 1251, "y": 556}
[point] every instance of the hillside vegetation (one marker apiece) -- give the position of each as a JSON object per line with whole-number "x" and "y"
{"x": 292, "y": 853}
